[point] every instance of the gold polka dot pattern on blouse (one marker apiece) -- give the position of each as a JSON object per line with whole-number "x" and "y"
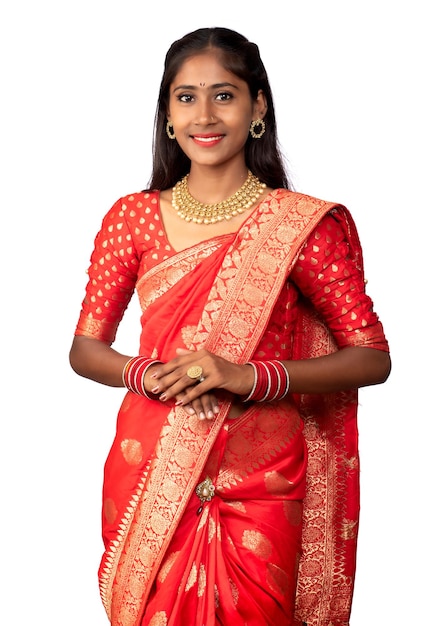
{"x": 131, "y": 237}
{"x": 337, "y": 289}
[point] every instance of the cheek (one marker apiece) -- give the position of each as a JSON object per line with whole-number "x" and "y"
{"x": 243, "y": 121}
{"x": 242, "y": 129}
{"x": 175, "y": 113}
{"x": 179, "y": 122}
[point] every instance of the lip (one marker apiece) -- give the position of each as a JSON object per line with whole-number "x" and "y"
{"x": 207, "y": 140}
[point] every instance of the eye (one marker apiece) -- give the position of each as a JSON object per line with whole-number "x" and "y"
{"x": 223, "y": 96}
{"x": 185, "y": 97}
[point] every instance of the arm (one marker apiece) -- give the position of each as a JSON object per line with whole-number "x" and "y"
{"x": 112, "y": 276}
{"x": 349, "y": 368}
{"x": 352, "y": 366}
{"x": 329, "y": 273}
{"x": 96, "y": 360}
{"x": 345, "y": 369}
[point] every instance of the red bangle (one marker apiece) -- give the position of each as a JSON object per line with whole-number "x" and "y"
{"x": 271, "y": 382}
{"x": 133, "y": 375}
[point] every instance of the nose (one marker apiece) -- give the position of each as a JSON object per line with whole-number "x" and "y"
{"x": 205, "y": 113}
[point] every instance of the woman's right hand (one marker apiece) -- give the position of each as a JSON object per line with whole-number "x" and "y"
{"x": 205, "y": 407}
{"x": 195, "y": 396}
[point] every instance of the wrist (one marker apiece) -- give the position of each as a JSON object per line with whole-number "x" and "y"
{"x": 271, "y": 381}
{"x": 133, "y": 375}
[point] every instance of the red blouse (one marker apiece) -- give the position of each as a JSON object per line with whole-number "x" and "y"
{"x": 132, "y": 239}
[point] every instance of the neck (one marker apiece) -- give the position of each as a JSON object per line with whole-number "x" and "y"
{"x": 210, "y": 185}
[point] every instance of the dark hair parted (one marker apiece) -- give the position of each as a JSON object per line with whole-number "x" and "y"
{"x": 242, "y": 58}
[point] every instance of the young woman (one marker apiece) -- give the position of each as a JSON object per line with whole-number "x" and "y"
{"x": 231, "y": 489}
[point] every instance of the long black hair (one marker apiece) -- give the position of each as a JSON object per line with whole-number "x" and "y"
{"x": 240, "y": 57}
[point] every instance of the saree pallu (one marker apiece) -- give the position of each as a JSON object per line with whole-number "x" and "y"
{"x": 220, "y": 295}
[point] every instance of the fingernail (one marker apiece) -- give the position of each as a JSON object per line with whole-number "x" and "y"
{"x": 210, "y": 415}
{"x": 155, "y": 390}
{"x": 162, "y": 397}
{"x": 202, "y": 416}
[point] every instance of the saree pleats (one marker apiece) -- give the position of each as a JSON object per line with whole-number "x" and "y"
{"x": 238, "y": 558}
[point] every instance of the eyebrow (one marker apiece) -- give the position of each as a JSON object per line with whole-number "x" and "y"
{"x": 214, "y": 86}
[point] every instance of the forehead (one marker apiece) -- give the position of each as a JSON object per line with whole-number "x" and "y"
{"x": 206, "y": 67}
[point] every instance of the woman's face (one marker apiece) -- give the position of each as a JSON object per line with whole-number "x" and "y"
{"x": 211, "y": 110}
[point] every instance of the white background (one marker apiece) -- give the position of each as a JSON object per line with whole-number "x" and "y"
{"x": 355, "y": 88}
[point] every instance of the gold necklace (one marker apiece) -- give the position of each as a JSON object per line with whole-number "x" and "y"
{"x": 191, "y": 210}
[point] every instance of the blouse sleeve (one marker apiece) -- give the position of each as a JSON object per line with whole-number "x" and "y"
{"x": 327, "y": 273}
{"x": 112, "y": 276}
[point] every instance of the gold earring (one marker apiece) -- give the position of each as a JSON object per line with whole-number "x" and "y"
{"x": 253, "y": 133}
{"x": 170, "y": 130}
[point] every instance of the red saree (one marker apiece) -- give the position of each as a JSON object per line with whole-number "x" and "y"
{"x": 237, "y": 561}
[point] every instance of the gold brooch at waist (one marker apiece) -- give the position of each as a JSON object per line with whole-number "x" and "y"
{"x": 205, "y": 491}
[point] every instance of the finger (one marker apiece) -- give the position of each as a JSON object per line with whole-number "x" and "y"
{"x": 178, "y": 385}
{"x": 205, "y": 406}
{"x": 171, "y": 384}
{"x": 183, "y": 351}
{"x": 210, "y": 405}
{"x": 188, "y": 408}
{"x": 178, "y": 370}
{"x": 199, "y": 409}
{"x": 184, "y": 374}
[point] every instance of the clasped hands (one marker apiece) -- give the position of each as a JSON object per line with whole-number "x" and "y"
{"x": 192, "y": 377}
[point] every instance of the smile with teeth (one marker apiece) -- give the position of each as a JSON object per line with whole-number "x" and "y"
{"x": 207, "y": 139}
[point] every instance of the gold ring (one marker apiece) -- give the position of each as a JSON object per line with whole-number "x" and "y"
{"x": 195, "y": 372}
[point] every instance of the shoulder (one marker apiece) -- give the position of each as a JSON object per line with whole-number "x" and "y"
{"x": 134, "y": 207}
{"x": 299, "y": 208}
{"x": 132, "y": 215}
{"x": 302, "y": 199}
{"x": 139, "y": 200}
{"x": 305, "y": 205}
